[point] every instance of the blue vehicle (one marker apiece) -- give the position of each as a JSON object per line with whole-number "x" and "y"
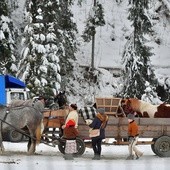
{"x": 12, "y": 88}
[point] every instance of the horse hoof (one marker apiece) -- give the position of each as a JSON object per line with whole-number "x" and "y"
{"x": 2, "y": 150}
{"x": 30, "y": 153}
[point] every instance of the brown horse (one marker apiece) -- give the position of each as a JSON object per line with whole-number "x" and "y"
{"x": 147, "y": 109}
{"x": 22, "y": 118}
{"x": 125, "y": 108}
{"x": 163, "y": 111}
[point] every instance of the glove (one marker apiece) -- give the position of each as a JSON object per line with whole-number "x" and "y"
{"x": 88, "y": 121}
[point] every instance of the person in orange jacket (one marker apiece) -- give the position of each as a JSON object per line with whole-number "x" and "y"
{"x": 133, "y": 136}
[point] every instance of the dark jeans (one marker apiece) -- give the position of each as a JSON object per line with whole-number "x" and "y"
{"x": 96, "y": 144}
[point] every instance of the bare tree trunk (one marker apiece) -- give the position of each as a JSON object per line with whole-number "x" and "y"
{"x": 92, "y": 54}
{"x": 93, "y": 45}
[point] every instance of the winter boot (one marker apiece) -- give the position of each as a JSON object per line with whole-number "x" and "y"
{"x": 130, "y": 157}
{"x": 139, "y": 155}
{"x": 96, "y": 157}
{"x": 68, "y": 157}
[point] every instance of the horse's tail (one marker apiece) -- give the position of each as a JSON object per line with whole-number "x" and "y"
{"x": 39, "y": 131}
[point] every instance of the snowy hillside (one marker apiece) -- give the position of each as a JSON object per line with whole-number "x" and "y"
{"x": 112, "y": 38}
{"x": 109, "y": 45}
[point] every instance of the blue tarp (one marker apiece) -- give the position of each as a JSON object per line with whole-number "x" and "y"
{"x": 7, "y": 81}
{"x": 2, "y": 91}
{"x": 12, "y": 82}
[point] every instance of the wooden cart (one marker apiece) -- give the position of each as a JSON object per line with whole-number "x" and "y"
{"x": 53, "y": 120}
{"x": 156, "y": 129}
{"x": 52, "y": 134}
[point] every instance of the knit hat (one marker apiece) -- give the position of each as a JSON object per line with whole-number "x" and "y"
{"x": 71, "y": 122}
{"x": 100, "y": 110}
{"x": 74, "y": 106}
{"x": 131, "y": 116}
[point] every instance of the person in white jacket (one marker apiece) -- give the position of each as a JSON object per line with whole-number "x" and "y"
{"x": 73, "y": 114}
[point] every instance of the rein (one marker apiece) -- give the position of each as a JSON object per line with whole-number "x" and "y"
{"x": 4, "y": 118}
{"x": 122, "y": 112}
{"x": 22, "y": 132}
{"x": 17, "y": 129}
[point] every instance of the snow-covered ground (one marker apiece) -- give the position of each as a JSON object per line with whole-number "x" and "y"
{"x": 49, "y": 158}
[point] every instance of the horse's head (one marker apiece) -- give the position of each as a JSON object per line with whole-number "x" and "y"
{"x": 126, "y": 102}
{"x": 130, "y": 105}
{"x": 126, "y": 106}
{"x": 61, "y": 99}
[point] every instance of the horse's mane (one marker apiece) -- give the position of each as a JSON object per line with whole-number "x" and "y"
{"x": 39, "y": 106}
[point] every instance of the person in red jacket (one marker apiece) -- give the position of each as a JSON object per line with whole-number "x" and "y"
{"x": 70, "y": 133}
{"x": 133, "y": 136}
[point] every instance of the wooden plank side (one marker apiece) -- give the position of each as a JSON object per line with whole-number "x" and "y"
{"x": 81, "y": 121}
{"x": 154, "y": 121}
{"x": 53, "y": 123}
{"x": 54, "y": 118}
{"x": 55, "y": 113}
{"x": 83, "y": 131}
{"x": 140, "y": 121}
{"x": 117, "y": 127}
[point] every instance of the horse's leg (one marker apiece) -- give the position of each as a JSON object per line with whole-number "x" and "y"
{"x": 35, "y": 137}
{"x": 2, "y": 149}
{"x": 31, "y": 146}
{"x": 31, "y": 143}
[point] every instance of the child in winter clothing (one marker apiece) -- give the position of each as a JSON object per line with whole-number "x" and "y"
{"x": 133, "y": 136}
{"x": 70, "y": 133}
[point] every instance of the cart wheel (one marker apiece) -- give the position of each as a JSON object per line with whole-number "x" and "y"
{"x": 80, "y": 146}
{"x": 152, "y": 145}
{"x": 61, "y": 145}
{"x": 162, "y": 146}
{"x": 15, "y": 136}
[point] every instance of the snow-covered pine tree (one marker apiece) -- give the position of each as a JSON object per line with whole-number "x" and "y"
{"x": 136, "y": 57}
{"x": 39, "y": 58}
{"x": 49, "y": 45}
{"x": 7, "y": 41}
{"x": 66, "y": 39}
{"x": 95, "y": 19}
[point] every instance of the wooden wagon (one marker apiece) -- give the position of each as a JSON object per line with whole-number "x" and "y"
{"x": 155, "y": 129}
